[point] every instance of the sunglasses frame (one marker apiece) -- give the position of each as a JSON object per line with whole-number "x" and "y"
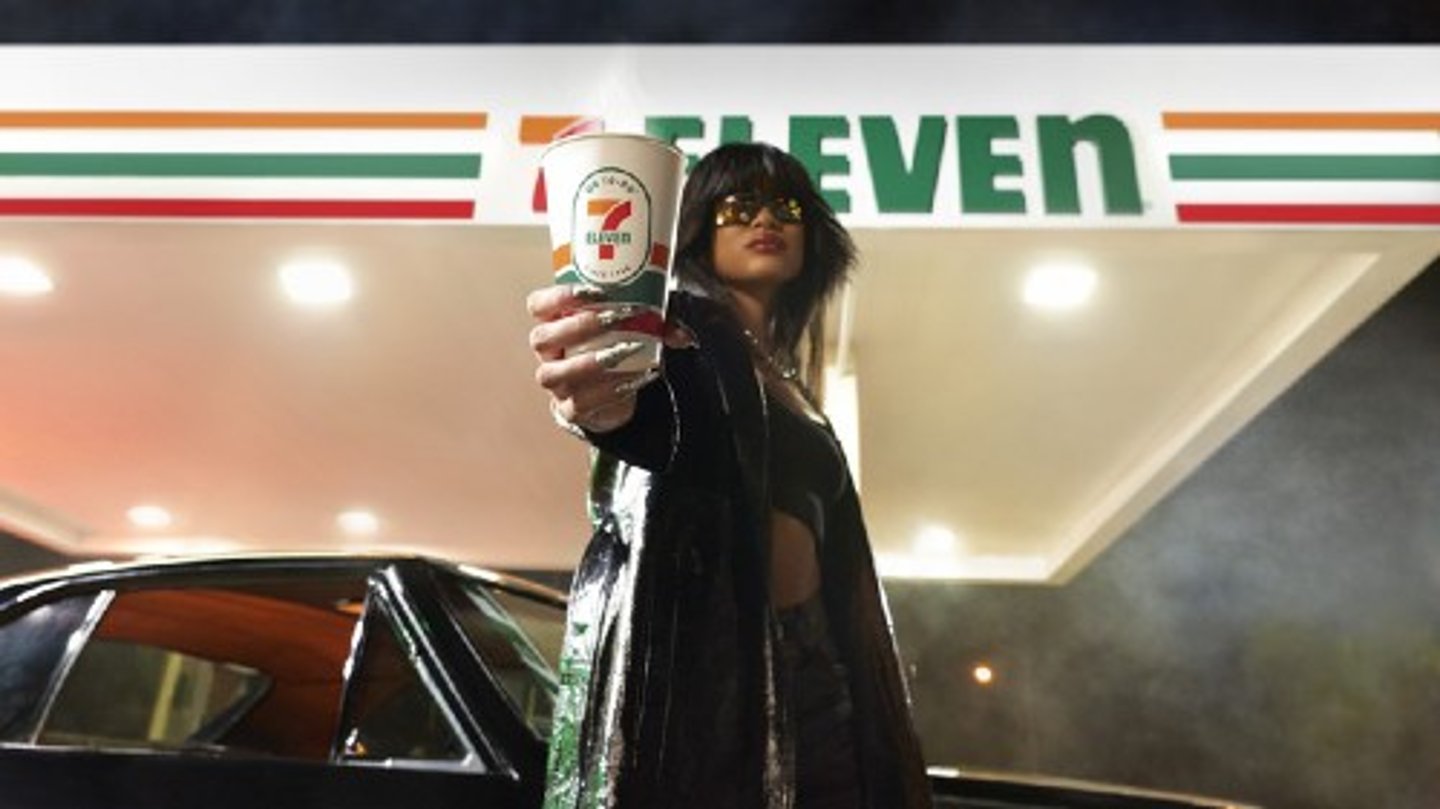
{"x": 741, "y": 209}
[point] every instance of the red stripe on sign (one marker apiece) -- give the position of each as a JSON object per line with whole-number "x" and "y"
{"x": 242, "y": 208}
{"x": 1312, "y": 214}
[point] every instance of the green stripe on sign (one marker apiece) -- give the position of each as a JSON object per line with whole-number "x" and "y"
{"x": 59, "y": 164}
{"x": 648, "y": 289}
{"x": 1305, "y": 167}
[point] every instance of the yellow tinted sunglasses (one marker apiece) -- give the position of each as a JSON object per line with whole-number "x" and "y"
{"x": 741, "y": 209}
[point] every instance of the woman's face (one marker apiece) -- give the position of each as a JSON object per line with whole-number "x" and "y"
{"x": 759, "y": 241}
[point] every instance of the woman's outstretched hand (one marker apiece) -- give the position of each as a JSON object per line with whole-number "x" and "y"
{"x": 583, "y": 389}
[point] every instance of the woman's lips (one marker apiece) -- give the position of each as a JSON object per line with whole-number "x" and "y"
{"x": 766, "y": 244}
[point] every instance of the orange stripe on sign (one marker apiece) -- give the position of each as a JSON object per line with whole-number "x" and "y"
{"x": 544, "y": 128}
{"x": 1302, "y": 120}
{"x": 599, "y": 207}
{"x": 659, "y": 255}
{"x": 560, "y": 258}
{"x": 161, "y": 119}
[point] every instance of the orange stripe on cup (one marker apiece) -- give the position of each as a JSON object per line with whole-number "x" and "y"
{"x": 560, "y": 258}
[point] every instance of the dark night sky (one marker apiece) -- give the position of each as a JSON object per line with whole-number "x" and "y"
{"x": 732, "y": 21}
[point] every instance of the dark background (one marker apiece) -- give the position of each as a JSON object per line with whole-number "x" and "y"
{"x": 729, "y": 21}
{"x": 1269, "y": 632}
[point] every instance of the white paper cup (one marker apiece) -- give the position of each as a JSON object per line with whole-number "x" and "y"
{"x": 612, "y": 203}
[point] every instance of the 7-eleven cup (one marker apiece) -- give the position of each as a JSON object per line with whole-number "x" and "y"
{"x": 612, "y": 203}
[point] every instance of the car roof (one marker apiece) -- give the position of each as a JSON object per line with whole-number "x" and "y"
{"x": 18, "y": 587}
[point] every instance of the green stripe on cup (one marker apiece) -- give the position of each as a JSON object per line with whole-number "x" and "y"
{"x": 648, "y": 288}
{"x": 1305, "y": 167}
{"x": 409, "y": 166}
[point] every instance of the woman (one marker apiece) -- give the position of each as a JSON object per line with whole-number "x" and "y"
{"x": 728, "y": 644}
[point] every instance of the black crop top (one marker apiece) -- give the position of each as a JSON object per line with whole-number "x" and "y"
{"x": 807, "y": 469}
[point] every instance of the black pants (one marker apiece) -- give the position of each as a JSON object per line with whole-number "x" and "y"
{"x": 826, "y": 772}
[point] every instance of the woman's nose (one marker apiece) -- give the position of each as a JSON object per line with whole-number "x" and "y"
{"x": 764, "y": 218}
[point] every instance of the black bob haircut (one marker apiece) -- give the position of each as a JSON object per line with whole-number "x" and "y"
{"x": 829, "y": 252}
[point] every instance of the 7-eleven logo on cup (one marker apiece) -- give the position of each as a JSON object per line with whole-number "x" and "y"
{"x": 611, "y": 243}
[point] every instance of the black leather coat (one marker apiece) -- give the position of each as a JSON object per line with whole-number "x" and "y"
{"x": 669, "y": 689}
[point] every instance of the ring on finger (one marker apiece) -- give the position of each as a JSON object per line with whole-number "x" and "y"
{"x": 562, "y": 422}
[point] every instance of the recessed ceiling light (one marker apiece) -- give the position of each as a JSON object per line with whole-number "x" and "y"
{"x": 23, "y": 278}
{"x": 1059, "y": 286}
{"x": 358, "y": 523}
{"x": 983, "y": 674}
{"x": 935, "y": 540}
{"x": 149, "y": 517}
{"x": 317, "y": 282}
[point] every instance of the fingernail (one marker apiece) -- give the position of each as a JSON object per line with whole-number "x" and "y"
{"x": 588, "y": 292}
{"x": 617, "y": 314}
{"x": 611, "y": 356}
{"x": 630, "y": 386}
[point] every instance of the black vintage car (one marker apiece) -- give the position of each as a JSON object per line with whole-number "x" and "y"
{"x": 308, "y": 681}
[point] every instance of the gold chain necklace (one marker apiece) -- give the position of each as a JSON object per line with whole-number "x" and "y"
{"x": 783, "y": 370}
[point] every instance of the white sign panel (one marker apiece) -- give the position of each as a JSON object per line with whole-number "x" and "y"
{"x": 948, "y": 137}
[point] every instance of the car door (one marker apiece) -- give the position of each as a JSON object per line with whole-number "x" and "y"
{"x": 267, "y": 689}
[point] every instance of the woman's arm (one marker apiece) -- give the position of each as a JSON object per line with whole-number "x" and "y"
{"x": 649, "y": 438}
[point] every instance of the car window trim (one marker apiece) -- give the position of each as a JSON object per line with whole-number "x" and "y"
{"x": 74, "y": 646}
{"x": 386, "y": 605}
{"x": 406, "y": 624}
{"x": 527, "y": 650}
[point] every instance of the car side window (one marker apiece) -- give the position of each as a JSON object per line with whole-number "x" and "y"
{"x": 33, "y": 649}
{"x": 391, "y": 711}
{"x": 252, "y": 666}
{"x": 123, "y": 694}
{"x": 503, "y": 627}
{"x": 241, "y": 670}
